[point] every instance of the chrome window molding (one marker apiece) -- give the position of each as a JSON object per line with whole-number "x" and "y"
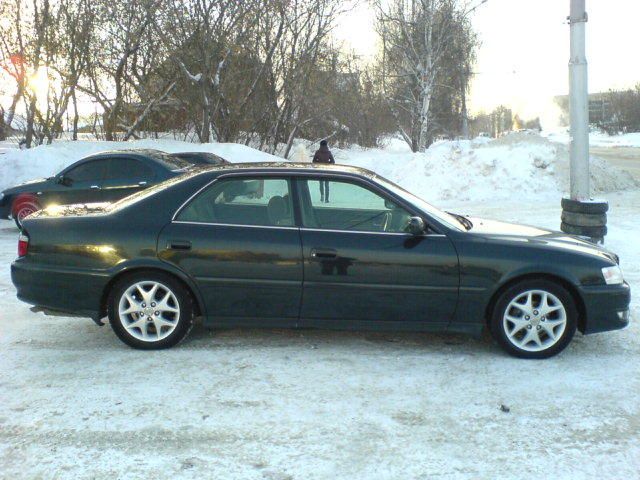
{"x": 278, "y": 227}
{"x": 304, "y": 229}
{"x": 404, "y": 234}
{"x": 290, "y": 175}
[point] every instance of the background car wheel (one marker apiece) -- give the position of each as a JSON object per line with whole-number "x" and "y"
{"x": 150, "y": 310}
{"x": 22, "y": 207}
{"x": 534, "y": 319}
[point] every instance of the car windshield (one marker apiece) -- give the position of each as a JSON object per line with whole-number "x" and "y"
{"x": 169, "y": 161}
{"x": 443, "y": 217}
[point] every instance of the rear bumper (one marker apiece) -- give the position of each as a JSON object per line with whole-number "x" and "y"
{"x": 606, "y": 307}
{"x": 61, "y": 289}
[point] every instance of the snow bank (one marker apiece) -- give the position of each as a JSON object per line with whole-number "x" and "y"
{"x": 17, "y": 166}
{"x": 521, "y": 165}
{"x": 598, "y": 139}
{"x": 515, "y": 165}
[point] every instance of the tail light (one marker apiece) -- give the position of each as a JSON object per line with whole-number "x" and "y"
{"x": 23, "y": 245}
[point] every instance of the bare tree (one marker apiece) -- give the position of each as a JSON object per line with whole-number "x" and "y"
{"x": 122, "y": 54}
{"x": 416, "y": 36}
{"x": 203, "y": 36}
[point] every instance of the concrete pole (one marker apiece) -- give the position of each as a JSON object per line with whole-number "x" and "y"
{"x": 579, "y": 103}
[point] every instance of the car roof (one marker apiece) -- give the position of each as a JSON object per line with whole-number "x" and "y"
{"x": 157, "y": 157}
{"x": 288, "y": 167}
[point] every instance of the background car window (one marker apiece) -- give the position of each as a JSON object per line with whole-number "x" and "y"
{"x": 340, "y": 205}
{"x": 88, "y": 171}
{"x": 246, "y": 201}
{"x": 128, "y": 168}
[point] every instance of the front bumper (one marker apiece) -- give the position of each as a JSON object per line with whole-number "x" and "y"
{"x": 606, "y": 307}
{"x": 78, "y": 292}
{"x": 5, "y": 208}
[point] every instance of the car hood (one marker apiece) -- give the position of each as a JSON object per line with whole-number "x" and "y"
{"x": 524, "y": 233}
{"x": 29, "y": 186}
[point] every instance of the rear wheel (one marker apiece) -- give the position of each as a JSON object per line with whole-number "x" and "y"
{"x": 534, "y": 319}
{"x": 150, "y": 310}
{"x": 22, "y": 208}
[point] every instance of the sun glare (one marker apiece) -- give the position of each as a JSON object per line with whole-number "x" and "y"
{"x": 39, "y": 82}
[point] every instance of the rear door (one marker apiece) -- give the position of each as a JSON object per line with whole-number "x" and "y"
{"x": 238, "y": 240}
{"x": 362, "y": 270}
{"x": 124, "y": 176}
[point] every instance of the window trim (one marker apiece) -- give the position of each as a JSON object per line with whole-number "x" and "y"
{"x": 84, "y": 163}
{"x": 286, "y": 177}
{"x": 352, "y": 181}
{"x": 279, "y": 227}
{"x": 292, "y": 176}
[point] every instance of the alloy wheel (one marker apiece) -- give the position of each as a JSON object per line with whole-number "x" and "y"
{"x": 149, "y": 311}
{"x": 534, "y": 320}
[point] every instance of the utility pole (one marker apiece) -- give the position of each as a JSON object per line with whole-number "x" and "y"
{"x": 579, "y": 103}
{"x": 580, "y": 214}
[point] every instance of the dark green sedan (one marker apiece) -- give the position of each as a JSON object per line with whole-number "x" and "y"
{"x": 257, "y": 245}
{"x": 101, "y": 177}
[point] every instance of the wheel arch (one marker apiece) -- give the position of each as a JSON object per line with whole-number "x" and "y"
{"x": 569, "y": 286}
{"x": 18, "y": 198}
{"x": 157, "y": 268}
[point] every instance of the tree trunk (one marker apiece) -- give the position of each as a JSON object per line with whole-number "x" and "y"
{"x": 75, "y": 115}
{"x": 465, "y": 119}
{"x": 423, "y": 136}
{"x": 30, "y": 119}
{"x": 205, "y": 133}
{"x": 14, "y": 103}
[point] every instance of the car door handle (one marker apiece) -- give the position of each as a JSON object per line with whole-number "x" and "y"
{"x": 142, "y": 184}
{"x": 95, "y": 187}
{"x": 179, "y": 245}
{"x": 323, "y": 253}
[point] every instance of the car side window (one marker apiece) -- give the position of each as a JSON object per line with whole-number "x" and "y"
{"x": 92, "y": 170}
{"x": 348, "y": 206}
{"x": 242, "y": 201}
{"x": 129, "y": 169}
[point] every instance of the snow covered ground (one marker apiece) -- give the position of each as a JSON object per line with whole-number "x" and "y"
{"x": 599, "y": 139}
{"x": 278, "y": 404}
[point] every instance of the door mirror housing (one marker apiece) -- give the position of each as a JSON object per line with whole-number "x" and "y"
{"x": 62, "y": 180}
{"x": 416, "y": 226}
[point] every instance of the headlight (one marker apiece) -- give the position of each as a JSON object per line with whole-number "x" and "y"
{"x": 612, "y": 275}
{"x": 1, "y": 197}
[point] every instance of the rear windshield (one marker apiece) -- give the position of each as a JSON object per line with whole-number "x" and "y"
{"x": 148, "y": 192}
{"x": 169, "y": 161}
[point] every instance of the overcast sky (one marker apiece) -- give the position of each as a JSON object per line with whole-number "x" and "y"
{"x": 523, "y": 59}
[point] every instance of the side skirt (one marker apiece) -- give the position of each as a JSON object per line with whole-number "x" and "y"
{"x": 352, "y": 325}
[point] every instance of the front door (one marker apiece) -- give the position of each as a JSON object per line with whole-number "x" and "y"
{"x": 362, "y": 270}
{"x": 79, "y": 184}
{"x": 238, "y": 240}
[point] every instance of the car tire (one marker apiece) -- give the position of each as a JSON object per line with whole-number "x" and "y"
{"x": 534, "y": 319}
{"x": 591, "y": 207}
{"x": 150, "y": 310}
{"x": 22, "y": 207}
{"x": 593, "y": 232}
{"x": 584, "y": 219}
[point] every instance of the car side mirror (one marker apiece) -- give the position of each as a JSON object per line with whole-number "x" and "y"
{"x": 62, "y": 180}
{"x": 416, "y": 226}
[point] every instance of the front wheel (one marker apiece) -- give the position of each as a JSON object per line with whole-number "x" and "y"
{"x": 534, "y": 319}
{"x": 150, "y": 310}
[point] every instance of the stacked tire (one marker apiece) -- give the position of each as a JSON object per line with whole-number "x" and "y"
{"x": 587, "y": 219}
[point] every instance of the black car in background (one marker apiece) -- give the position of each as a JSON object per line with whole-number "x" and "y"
{"x": 102, "y": 177}
{"x": 255, "y": 245}
{"x": 201, "y": 158}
